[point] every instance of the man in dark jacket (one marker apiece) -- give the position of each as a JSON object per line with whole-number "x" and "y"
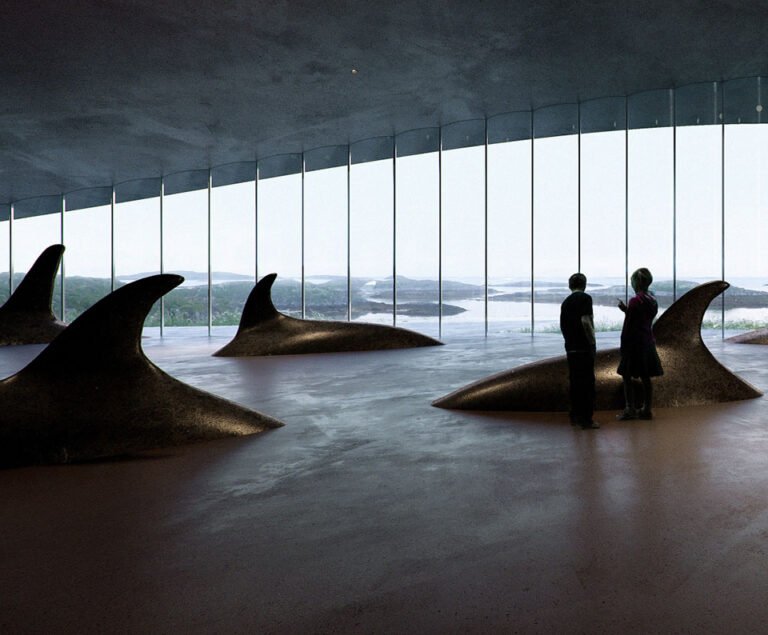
{"x": 577, "y": 326}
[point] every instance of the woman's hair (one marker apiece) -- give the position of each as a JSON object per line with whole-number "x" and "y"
{"x": 642, "y": 279}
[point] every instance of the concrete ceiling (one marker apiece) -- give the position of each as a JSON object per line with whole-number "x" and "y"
{"x": 98, "y": 92}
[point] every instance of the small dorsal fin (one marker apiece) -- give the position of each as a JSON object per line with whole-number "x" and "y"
{"x": 35, "y": 292}
{"x": 681, "y": 322}
{"x": 258, "y": 307}
{"x": 107, "y": 335}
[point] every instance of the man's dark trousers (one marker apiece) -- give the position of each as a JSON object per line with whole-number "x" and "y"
{"x": 581, "y": 371}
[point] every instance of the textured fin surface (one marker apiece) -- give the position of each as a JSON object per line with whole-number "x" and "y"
{"x": 258, "y": 307}
{"x": 265, "y": 331}
{"x": 681, "y": 322}
{"x": 692, "y": 375}
{"x": 92, "y": 393}
{"x": 108, "y": 334}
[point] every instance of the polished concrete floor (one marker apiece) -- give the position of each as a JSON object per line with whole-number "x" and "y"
{"x": 372, "y": 512}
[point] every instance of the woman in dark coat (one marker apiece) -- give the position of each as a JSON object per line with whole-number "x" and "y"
{"x": 638, "y": 346}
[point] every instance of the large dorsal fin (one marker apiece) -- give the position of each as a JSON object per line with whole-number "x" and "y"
{"x": 258, "y": 307}
{"x": 681, "y": 322}
{"x": 35, "y": 292}
{"x": 108, "y": 335}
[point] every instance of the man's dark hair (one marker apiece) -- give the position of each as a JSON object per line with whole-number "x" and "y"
{"x": 577, "y": 281}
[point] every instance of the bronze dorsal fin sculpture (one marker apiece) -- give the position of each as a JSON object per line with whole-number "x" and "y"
{"x": 27, "y": 317}
{"x": 93, "y": 393}
{"x": 759, "y": 336}
{"x": 265, "y": 331}
{"x": 692, "y": 375}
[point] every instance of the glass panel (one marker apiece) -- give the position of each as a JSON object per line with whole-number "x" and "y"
{"x": 325, "y": 243}
{"x": 553, "y": 121}
{"x": 698, "y": 104}
{"x": 371, "y": 235}
{"x": 746, "y": 227}
{"x": 233, "y": 250}
{"x": 233, "y": 173}
{"x": 5, "y": 256}
{"x": 88, "y": 257}
{"x": 603, "y": 115}
{"x": 185, "y": 251}
{"x": 743, "y": 100}
{"x": 279, "y": 235}
{"x": 651, "y": 218}
{"x": 603, "y": 240}
{"x": 91, "y": 197}
{"x": 650, "y": 109}
{"x": 699, "y": 212}
{"x": 555, "y": 225}
{"x": 137, "y": 244}
{"x": 463, "y": 134}
{"x": 509, "y": 236}
{"x": 31, "y": 235}
{"x": 463, "y": 230}
{"x": 417, "y": 237}
{"x": 509, "y": 126}
{"x": 38, "y": 206}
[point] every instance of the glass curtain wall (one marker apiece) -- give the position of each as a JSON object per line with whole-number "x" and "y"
{"x": 280, "y": 229}
{"x": 745, "y": 199}
{"x": 698, "y": 191}
{"x": 88, "y": 254}
{"x": 326, "y": 211}
{"x": 36, "y": 225}
{"x": 472, "y": 227}
{"x": 509, "y": 222}
{"x": 463, "y": 226}
{"x": 417, "y": 230}
{"x": 555, "y": 210}
{"x": 137, "y": 235}
{"x": 602, "y": 191}
{"x": 5, "y": 252}
{"x": 185, "y": 247}
{"x": 233, "y": 240}
{"x": 371, "y": 230}
{"x": 651, "y": 190}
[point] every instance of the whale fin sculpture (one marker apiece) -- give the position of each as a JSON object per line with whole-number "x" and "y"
{"x": 760, "y": 336}
{"x": 692, "y": 375}
{"x": 258, "y": 307}
{"x": 265, "y": 331}
{"x": 27, "y": 317}
{"x": 92, "y": 393}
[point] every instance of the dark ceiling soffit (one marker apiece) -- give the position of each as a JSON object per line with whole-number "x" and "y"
{"x": 187, "y": 181}
{"x": 5, "y": 212}
{"x": 464, "y": 134}
{"x": 420, "y": 141}
{"x": 743, "y": 100}
{"x": 603, "y": 115}
{"x": 510, "y": 126}
{"x": 279, "y": 165}
{"x": 375, "y": 149}
{"x": 137, "y": 189}
{"x": 37, "y": 206}
{"x": 233, "y": 173}
{"x": 88, "y": 197}
{"x": 650, "y": 109}
{"x": 325, "y": 158}
{"x": 556, "y": 121}
{"x": 733, "y": 101}
{"x": 698, "y": 104}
